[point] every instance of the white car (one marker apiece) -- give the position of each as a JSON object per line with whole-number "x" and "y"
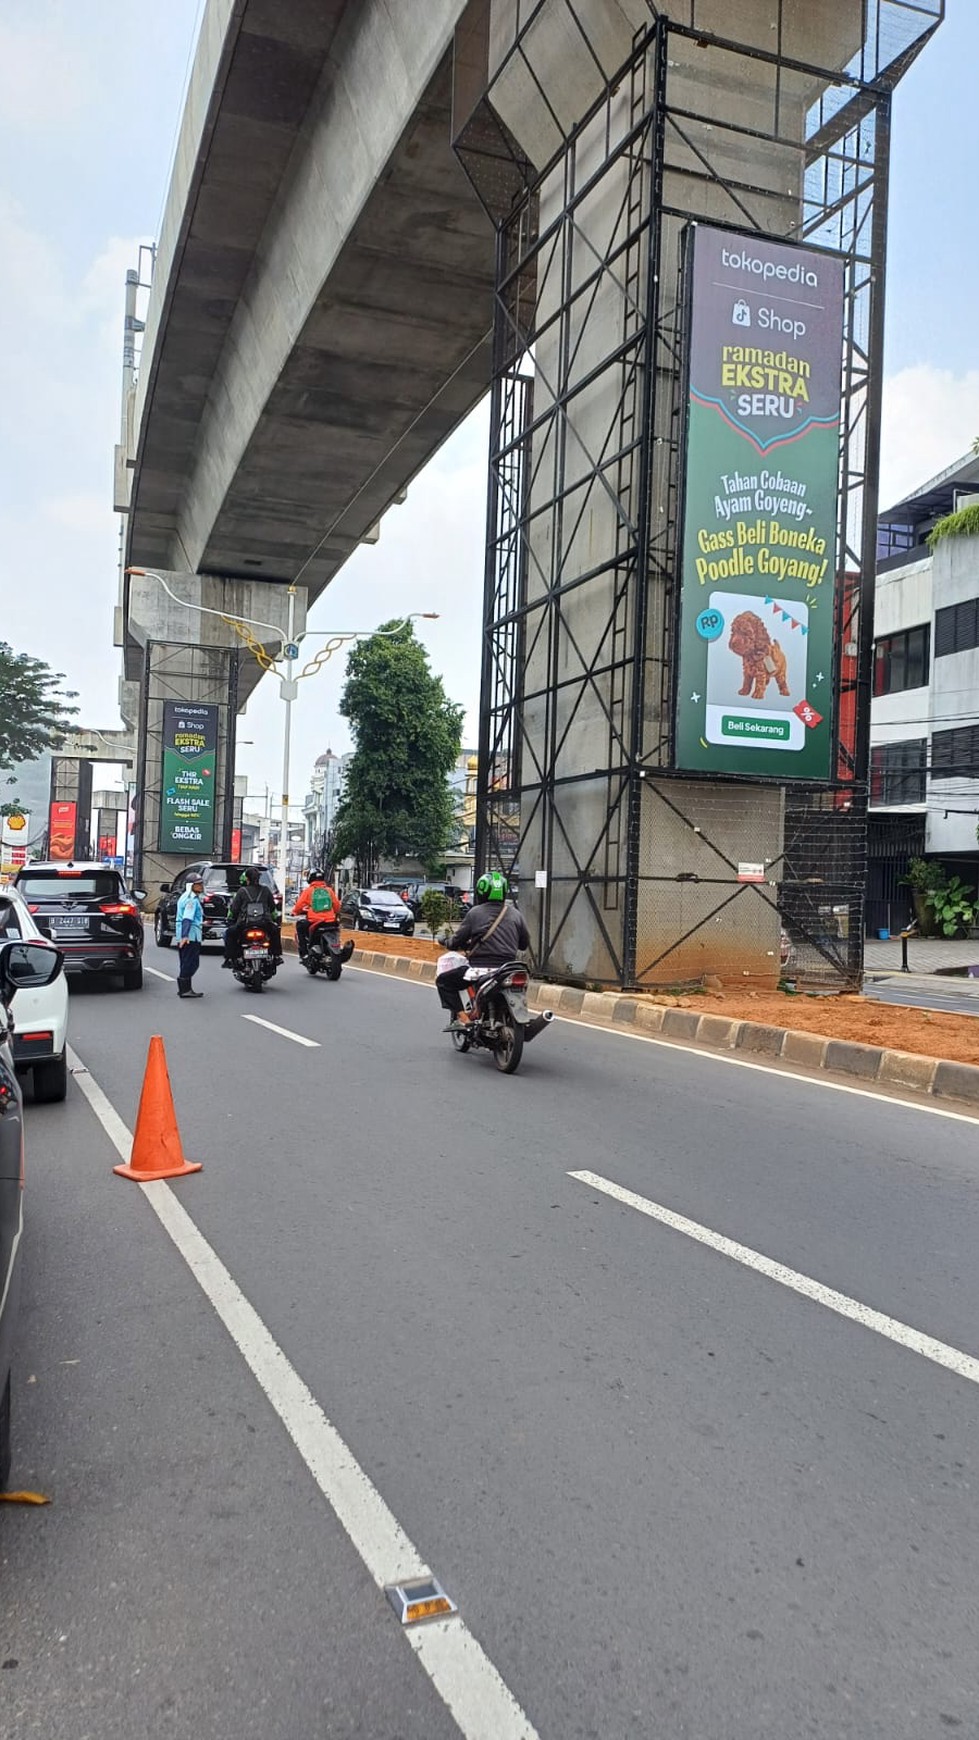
{"x": 40, "y": 1014}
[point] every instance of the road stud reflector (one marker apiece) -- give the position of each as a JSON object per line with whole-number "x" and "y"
{"x": 423, "y": 1598}
{"x": 157, "y": 1150}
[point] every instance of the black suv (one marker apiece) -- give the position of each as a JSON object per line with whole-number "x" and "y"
{"x": 89, "y": 912}
{"x": 221, "y": 884}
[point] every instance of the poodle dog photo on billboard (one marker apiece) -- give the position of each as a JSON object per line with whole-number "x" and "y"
{"x": 757, "y": 669}
{"x": 762, "y": 657}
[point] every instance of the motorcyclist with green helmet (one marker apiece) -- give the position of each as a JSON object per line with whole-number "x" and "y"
{"x": 492, "y": 932}
{"x": 254, "y": 903}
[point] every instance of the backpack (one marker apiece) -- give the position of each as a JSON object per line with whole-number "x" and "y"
{"x": 256, "y": 911}
{"x": 322, "y": 900}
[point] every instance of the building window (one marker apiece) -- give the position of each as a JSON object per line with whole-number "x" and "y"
{"x": 901, "y": 660}
{"x": 957, "y": 628}
{"x": 895, "y": 538}
{"x": 955, "y": 754}
{"x": 897, "y": 772}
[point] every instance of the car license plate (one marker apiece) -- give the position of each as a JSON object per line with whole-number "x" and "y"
{"x": 392, "y": 924}
{"x": 255, "y": 954}
{"x": 66, "y": 924}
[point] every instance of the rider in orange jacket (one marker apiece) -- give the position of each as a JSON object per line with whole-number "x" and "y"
{"x": 317, "y": 904}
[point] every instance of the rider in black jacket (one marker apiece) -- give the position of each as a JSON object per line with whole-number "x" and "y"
{"x": 491, "y": 911}
{"x": 252, "y": 894}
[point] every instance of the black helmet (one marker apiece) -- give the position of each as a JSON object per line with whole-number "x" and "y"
{"x": 315, "y": 876}
{"x": 252, "y": 875}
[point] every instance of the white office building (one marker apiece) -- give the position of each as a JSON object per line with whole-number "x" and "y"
{"x": 924, "y": 759}
{"x": 322, "y": 800}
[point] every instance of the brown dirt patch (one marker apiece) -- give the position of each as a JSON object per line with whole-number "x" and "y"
{"x": 927, "y": 1033}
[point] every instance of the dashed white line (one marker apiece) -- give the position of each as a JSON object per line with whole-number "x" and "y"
{"x": 964, "y": 1365}
{"x": 158, "y": 975}
{"x": 481, "y": 1703}
{"x": 298, "y": 1038}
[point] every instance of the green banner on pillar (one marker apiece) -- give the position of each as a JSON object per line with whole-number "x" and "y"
{"x": 190, "y": 741}
{"x": 756, "y": 634}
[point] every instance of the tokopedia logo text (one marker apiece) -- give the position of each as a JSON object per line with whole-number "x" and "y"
{"x": 769, "y": 269}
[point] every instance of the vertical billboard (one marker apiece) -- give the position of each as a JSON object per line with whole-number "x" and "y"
{"x": 62, "y": 822}
{"x": 754, "y": 692}
{"x": 190, "y": 741}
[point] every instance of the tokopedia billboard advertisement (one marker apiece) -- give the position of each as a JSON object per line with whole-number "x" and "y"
{"x": 756, "y": 633}
{"x": 190, "y": 739}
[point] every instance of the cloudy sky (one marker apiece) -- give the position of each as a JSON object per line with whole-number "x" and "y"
{"x": 90, "y": 98}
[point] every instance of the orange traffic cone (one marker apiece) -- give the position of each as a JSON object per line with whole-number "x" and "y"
{"x": 157, "y": 1152}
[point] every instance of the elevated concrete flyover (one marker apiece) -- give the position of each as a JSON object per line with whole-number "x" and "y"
{"x": 319, "y": 321}
{"x": 322, "y": 300}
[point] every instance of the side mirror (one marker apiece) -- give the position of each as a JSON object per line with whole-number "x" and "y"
{"x": 24, "y": 966}
{"x": 165, "y": 887}
{"x": 139, "y": 893}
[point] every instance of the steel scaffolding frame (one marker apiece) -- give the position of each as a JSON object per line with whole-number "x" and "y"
{"x": 665, "y": 160}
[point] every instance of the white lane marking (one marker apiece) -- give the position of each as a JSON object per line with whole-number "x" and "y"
{"x": 481, "y": 1704}
{"x": 888, "y": 1095}
{"x": 14, "y": 1247}
{"x": 158, "y": 975}
{"x": 284, "y": 1031}
{"x": 964, "y": 1365}
{"x": 102, "y": 1106}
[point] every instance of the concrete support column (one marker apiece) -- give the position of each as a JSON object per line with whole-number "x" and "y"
{"x": 594, "y": 684}
{"x": 182, "y": 647}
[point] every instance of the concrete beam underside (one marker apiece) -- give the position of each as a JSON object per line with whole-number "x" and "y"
{"x": 329, "y": 315}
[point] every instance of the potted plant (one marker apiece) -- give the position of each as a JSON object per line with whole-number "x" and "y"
{"x": 954, "y": 907}
{"x": 924, "y": 878}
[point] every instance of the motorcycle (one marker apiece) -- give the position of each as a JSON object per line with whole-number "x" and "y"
{"x": 325, "y": 953}
{"x": 254, "y": 964}
{"x": 499, "y": 1018}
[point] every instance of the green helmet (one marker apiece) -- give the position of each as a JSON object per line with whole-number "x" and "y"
{"x": 492, "y": 886}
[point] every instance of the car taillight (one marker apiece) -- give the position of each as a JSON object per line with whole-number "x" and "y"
{"x": 115, "y": 908}
{"x": 37, "y": 1037}
{"x": 34, "y": 908}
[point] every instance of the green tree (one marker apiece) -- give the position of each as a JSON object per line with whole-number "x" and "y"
{"x": 34, "y": 715}
{"x": 406, "y": 732}
{"x": 437, "y": 914}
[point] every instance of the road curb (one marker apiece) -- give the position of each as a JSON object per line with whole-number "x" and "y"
{"x": 937, "y": 1077}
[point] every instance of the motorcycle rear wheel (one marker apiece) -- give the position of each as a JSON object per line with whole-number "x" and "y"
{"x": 508, "y": 1053}
{"x": 333, "y": 970}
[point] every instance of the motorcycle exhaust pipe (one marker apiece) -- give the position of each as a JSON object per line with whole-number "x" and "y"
{"x": 538, "y": 1025}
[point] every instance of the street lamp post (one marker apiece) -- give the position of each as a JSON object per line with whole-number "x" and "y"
{"x": 288, "y": 653}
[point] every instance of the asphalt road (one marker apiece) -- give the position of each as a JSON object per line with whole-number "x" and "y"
{"x": 671, "y": 1495}
{"x": 925, "y": 993}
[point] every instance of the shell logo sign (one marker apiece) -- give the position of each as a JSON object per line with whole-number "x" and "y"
{"x": 15, "y": 823}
